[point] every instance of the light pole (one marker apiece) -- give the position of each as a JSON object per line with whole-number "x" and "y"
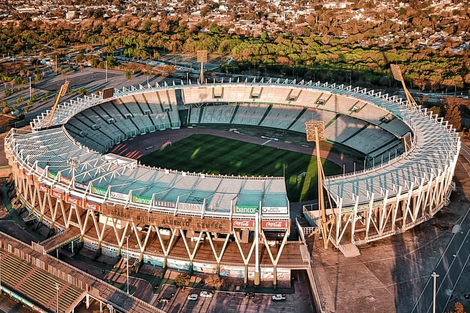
{"x": 30, "y": 88}
{"x": 127, "y": 278}
{"x": 1, "y": 273}
{"x": 106, "y": 63}
{"x": 434, "y": 276}
{"x": 57, "y": 300}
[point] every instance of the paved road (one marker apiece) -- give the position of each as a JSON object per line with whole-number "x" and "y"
{"x": 451, "y": 265}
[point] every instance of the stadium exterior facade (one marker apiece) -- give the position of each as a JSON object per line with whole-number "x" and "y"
{"x": 234, "y": 226}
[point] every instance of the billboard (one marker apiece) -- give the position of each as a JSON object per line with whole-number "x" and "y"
{"x": 246, "y": 209}
{"x": 92, "y": 206}
{"x": 243, "y": 223}
{"x": 190, "y": 206}
{"x": 141, "y": 200}
{"x": 275, "y": 224}
{"x": 274, "y": 210}
{"x": 108, "y": 93}
{"x": 99, "y": 191}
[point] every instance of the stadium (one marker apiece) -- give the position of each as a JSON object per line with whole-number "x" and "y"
{"x": 397, "y": 173}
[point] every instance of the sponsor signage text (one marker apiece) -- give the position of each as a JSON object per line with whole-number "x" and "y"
{"x": 243, "y": 223}
{"x": 246, "y": 209}
{"x": 274, "y": 210}
{"x": 275, "y": 224}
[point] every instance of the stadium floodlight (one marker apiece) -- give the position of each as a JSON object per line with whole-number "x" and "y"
{"x": 73, "y": 163}
{"x": 396, "y": 72}
{"x": 315, "y": 131}
{"x": 202, "y": 58}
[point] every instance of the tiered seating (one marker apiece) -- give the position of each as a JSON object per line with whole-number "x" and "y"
{"x": 396, "y": 127}
{"x": 218, "y": 114}
{"x": 100, "y": 122}
{"x": 86, "y": 135}
{"x": 38, "y": 285}
{"x": 307, "y": 98}
{"x": 369, "y": 139}
{"x": 370, "y": 113}
{"x": 343, "y": 128}
{"x": 154, "y": 102}
{"x": 165, "y": 100}
{"x": 174, "y": 116}
{"x": 117, "y": 112}
{"x": 275, "y": 95}
{"x": 312, "y": 115}
{"x": 13, "y": 270}
{"x": 194, "y": 95}
{"x": 388, "y": 147}
{"x": 119, "y": 134}
{"x": 142, "y": 121}
{"x": 250, "y": 114}
{"x": 281, "y": 116}
{"x": 194, "y": 117}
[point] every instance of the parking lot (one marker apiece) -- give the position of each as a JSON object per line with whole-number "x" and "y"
{"x": 227, "y": 302}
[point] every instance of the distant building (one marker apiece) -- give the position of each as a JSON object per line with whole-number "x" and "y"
{"x": 70, "y": 15}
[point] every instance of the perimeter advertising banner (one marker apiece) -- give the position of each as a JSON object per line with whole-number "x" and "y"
{"x": 275, "y": 224}
{"x": 141, "y": 200}
{"x": 246, "y": 209}
{"x": 243, "y": 223}
{"x": 274, "y": 210}
{"x": 167, "y": 220}
{"x": 99, "y": 191}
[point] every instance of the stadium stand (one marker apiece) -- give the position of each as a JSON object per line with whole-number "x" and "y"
{"x": 218, "y": 114}
{"x": 344, "y": 127}
{"x": 312, "y": 114}
{"x": 369, "y": 139}
{"x": 250, "y": 114}
{"x": 38, "y": 285}
{"x": 281, "y": 116}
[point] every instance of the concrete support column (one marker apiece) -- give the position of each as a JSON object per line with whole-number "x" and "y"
{"x": 87, "y": 301}
{"x": 274, "y": 277}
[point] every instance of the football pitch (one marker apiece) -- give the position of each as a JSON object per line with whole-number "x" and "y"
{"x": 217, "y": 155}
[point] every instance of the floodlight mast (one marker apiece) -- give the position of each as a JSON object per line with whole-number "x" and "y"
{"x": 315, "y": 131}
{"x": 60, "y": 94}
{"x": 202, "y": 58}
{"x": 396, "y": 71}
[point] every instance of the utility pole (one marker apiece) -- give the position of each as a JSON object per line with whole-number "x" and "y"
{"x": 127, "y": 240}
{"x": 57, "y": 300}
{"x": 434, "y": 276}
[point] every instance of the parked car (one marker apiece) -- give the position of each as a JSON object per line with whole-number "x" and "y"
{"x": 249, "y": 295}
{"x": 192, "y": 297}
{"x": 279, "y": 297}
{"x": 206, "y": 294}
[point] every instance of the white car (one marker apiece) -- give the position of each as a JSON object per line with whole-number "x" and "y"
{"x": 206, "y": 294}
{"x": 192, "y": 297}
{"x": 279, "y": 297}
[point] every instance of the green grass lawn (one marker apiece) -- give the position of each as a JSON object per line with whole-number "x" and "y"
{"x": 217, "y": 155}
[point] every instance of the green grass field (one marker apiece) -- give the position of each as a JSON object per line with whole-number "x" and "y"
{"x": 217, "y": 155}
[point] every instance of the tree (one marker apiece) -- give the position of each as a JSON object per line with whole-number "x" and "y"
{"x": 182, "y": 280}
{"x": 214, "y": 281}
{"x": 128, "y": 75}
{"x": 8, "y": 92}
{"x": 458, "y": 308}
{"x": 19, "y": 100}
